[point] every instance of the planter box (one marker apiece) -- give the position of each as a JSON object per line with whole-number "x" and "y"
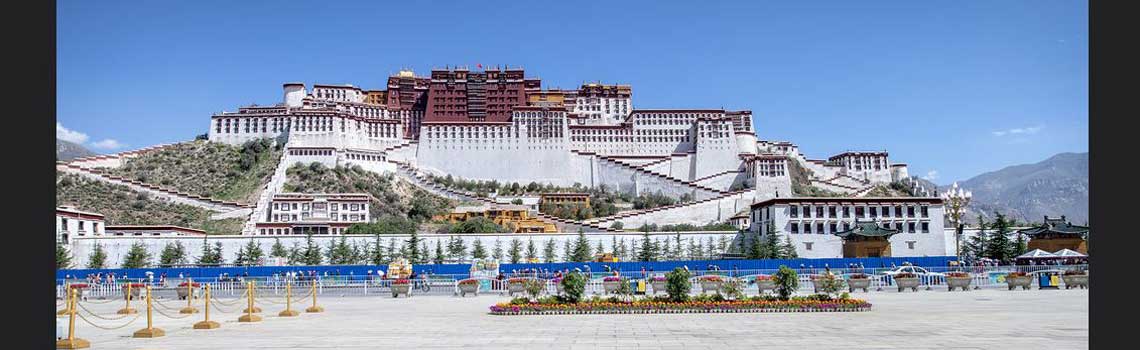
{"x": 1081, "y": 281}
{"x": 658, "y": 286}
{"x": 465, "y": 288}
{"x": 711, "y": 286}
{"x": 1018, "y": 281}
{"x": 183, "y": 293}
{"x": 904, "y": 283}
{"x": 134, "y": 292}
{"x": 959, "y": 282}
{"x": 858, "y": 283}
{"x": 404, "y": 289}
{"x": 611, "y": 287}
{"x": 517, "y": 287}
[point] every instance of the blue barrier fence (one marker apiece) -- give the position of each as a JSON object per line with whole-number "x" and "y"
{"x": 463, "y": 269}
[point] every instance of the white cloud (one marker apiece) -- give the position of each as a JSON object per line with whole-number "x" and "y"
{"x": 931, "y": 175}
{"x": 1018, "y": 131}
{"x": 108, "y": 144}
{"x": 68, "y": 135}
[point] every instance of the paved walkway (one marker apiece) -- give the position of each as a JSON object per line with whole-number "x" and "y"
{"x": 981, "y": 319}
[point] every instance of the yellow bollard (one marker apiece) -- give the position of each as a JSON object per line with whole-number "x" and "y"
{"x": 249, "y": 316}
{"x": 67, "y": 304}
{"x": 128, "y": 310}
{"x": 288, "y": 312}
{"x": 71, "y": 342}
{"x": 189, "y": 309}
{"x": 315, "y": 308}
{"x": 207, "y": 324}
{"x": 149, "y": 331}
{"x": 252, "y": 289}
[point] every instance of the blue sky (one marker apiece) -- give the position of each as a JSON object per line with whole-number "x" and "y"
{"x": 953, "y": 88}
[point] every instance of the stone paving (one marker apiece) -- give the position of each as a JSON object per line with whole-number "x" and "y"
{"x": 979, "y": 319}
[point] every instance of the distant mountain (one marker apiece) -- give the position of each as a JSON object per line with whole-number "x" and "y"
{"x": 1056, "y": 186}
{"x": 65, "y": 150}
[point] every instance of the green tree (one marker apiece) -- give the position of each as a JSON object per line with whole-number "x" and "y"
{"x": 98, "y": 258}
{"x": 477, "y": 251}
{"x": 788, "y": 250}
{"x": 278, "y": 250}
{"x": 515, "y": 251}
{"x": 377, "y": 252}
{"x": 137, "y": 257}
{"x": 622, "y": 250}
{"x": 173, "y": 253}
{"x": 599, "y": 249}
{"x": 456, "y": 249}
{"x": 249, "y": 254}
{"x": 497, "y": 252}
{"x": 531, "y": 250}
{"x": 786, "y": 282}
{"x": 392, "y": 252}
{"x": 581, "y": 248}
{"x": 425, "y": 253}
{"x": 647, "y": 251}
{"x": 1001, "y": 248}
{"x": 311, "y": 255}
{"x": 573, "y": 287}
{"x": 62, "y": 256}
{"x": 567, "y": 251}
{"x": 678, "y": 285}
{"x": 438, "y": 257}
{"x": 412, "y": 245}
{"x": 665, "y": 250}
{"x": 976, "y": 246}
{"x": 771, "y": 244}
{"x": 548, "y": 251}
{"x": 755, "y": 248}
{"x": 209, "y": 256}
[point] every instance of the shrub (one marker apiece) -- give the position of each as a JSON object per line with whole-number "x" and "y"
{"x": 733, "y": 288}
{"x": 829, "y": 284}
{"x": 623, "y": 287}
{"x": 573, "y": 287}
{"x": 534, "y": 287}
{"x": 786, "y": 282}
{"x": 677, "y": 284}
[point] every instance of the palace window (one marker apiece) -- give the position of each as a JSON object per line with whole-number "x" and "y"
{"x": 794, "y": 212}
{"x": 846, "y": 212}
{"x": 910, "y": 227}
{"x": 874, "y": 211}
{"x": 819, "y": 228}
{"x": 886, "y": 211}
{"x": 910, "y": 244}
{"x": 926, "y": 227}
{"x": 807, "y": 245}
{"x": 910, "y": 211}
{"x": 807, "y": 228}
{"x": 924, "y": 211}
{"x": 859, "y": 212}
{"x": 807, "y": 211}
{"x": 795, "y": 228}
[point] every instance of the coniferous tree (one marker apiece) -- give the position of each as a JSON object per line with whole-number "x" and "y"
{"x": 647, "y": 252}
{"x": 771, "y": 243}
{"x": 62, "y": 256}
{"x": 678, "y": 250}
{"x": 788, "y": 249}
{"x": 377, "y": 252}
{"x": 438, "y": 257}
{"x": 331, "y": 253}
{"x": 531, "y": 251}
{"x": 710, "y": 247}
{"x": 296, "y": 255}
{"x": 976, "y": 246}
{"x": 666, "y": 251}
{"x": 497, "y": 252}
{"x": 174, "y": 253}
{"x": 549, "y": 254}
{"x": 278, "y": 250}
{"x": 696, "y": 251}
{"x": 98, "y": 258}
{"x": 425, "y": 255}
{"x": 217, "y": 254}
{"x": 634, "y": 254}
{"x": 1001, "y": 247}
{"x": 207, "y": 256}
{"x": 567, "y": 251}
{"x": 599, "y": 249}
{"x": 622, "y": 250}
{"x": 515, "y": 251}
{"x": 413, "y": 248}
{"x": 392, "y": 252}
{"x": 722, "y": 245}
{"x": 581, "y": 248}
{"x": 456, "y": 249}
{"x": 253, "y": 252}
{"x": 311, "y": 255}
{"x": 477, "y": 250}
{"x": 137, "y": 257}
{"x": 755, "y": 249}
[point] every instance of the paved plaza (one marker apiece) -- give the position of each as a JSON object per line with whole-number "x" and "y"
{"x": 980, "y": 319}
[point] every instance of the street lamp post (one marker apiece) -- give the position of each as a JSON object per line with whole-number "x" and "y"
{"x": 956, "y": 200}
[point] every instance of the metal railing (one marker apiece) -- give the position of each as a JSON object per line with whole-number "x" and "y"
{"x": 348, "y": 285}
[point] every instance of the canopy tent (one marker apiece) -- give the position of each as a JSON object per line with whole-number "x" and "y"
{"x": 1036, "y": 254}
{"x": 1069, "y": 253}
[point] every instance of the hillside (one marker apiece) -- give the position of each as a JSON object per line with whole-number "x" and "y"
{"x": 801, "y": 182}
{"x": 391, "y": 198}
{"x": 65, "y": 151}
{"x": 213, "y": 170}
{"x": 123, "y": 206}
{"x": 1055, "y": 186}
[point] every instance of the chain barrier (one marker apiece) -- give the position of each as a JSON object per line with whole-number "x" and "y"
{"x": 84, "y": 308}
{"x": 257, "y": 298}
{"x": 231, "y": 302}
{"x": 84, "y": 318}
{"x": 214, "y": 305}
{"x": 108, "y": 301}
{"x": 160, "y": 312}
{"x": 168, "y": 307}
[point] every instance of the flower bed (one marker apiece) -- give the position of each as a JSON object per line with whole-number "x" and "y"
{"x": 651, "y": 306}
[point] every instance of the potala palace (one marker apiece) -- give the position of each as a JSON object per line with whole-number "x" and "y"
{"x": 499, "y": 124}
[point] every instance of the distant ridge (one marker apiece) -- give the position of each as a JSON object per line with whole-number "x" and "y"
{"x": 65, "y": 151}
{"x": 1055, "y": 186}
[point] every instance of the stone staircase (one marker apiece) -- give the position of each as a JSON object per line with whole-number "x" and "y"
{"x": 275, "y": 185}
{"x": 412, "y": 175}
{"x": 116, "y": 159}
{"x": 710, "y": 192}
{"x": 635, "y": 213}
{"x": 173, "y": 195}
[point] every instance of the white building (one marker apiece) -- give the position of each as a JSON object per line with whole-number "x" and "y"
{"x": 319, "y": 213}
{"x": 812, "y": 224}
{"x": 71, "y": 223}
